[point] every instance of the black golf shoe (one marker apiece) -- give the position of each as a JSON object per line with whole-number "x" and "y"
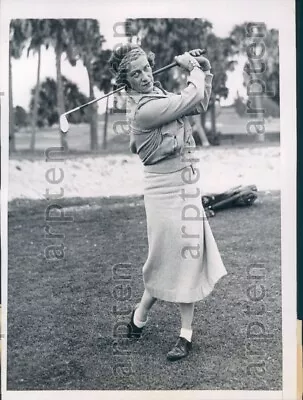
{"x": 133, "y": 331}
{"x": 180, "y": 350}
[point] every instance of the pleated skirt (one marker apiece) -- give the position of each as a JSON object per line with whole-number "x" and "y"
{"x": 184, "y": 262}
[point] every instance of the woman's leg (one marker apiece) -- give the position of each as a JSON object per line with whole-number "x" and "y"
{"x": 145, "y": 305}
{"x": 183, "y": 344}
{"x": 139, "y": 316}
{"x": 187, "y": 315}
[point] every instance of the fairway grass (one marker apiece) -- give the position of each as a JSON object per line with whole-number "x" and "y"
{"x": 61, "y": 319}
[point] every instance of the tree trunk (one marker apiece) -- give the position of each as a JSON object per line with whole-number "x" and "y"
{"x": 93, "y": 112}
{"x": 104, "y": 143}
{"x": 36, "y": 100}
{"x": 12, "y": 144}
{"x": 260, "y": 116}
{"x": 60, "y": 95}
{"x": 256, "y": 103}
{"x": 213, "y": 119}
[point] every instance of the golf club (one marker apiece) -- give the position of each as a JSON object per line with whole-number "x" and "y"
{"x": 63, "y": 122}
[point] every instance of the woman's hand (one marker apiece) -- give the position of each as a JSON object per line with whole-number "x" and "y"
{"x": 203, "y": 61}
{"x": 186, "y": 61}
{"x": 196, "y": 52}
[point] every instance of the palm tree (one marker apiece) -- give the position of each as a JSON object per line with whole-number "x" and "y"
{"x": 61, "y": 33}
{"x": 87, "y": 43}
{"x": 19, "y": 33}
{"x": 39, "y": 36}
{"x": 104, "y": 81}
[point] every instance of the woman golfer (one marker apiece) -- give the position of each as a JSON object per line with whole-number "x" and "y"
{"x": 183, "y": 262}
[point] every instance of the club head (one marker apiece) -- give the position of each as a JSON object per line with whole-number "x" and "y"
{"x": 63, "y": 123}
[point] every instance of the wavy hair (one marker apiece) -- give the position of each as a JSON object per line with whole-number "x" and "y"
{"x": 122, "y": 56}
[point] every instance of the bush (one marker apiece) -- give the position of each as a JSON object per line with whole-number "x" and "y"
{"x": 47, "y": 103}
{"x": 272, "y": 109}
{"x": 240, "y": 106}
{"x": 21, "y": 118}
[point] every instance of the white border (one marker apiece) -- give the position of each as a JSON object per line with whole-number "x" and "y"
{"x": 149, "y": 395}
{"x": 4, "y": 48}
{"x": 288, "y": 127}
{"x": 283, "y": 9}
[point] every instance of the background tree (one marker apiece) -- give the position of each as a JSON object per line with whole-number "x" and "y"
{"x": 39, "y": 36}
{"x": 87, "y": 44}
{"x": 167, "y": 38}
{"x": 47, "y": 113}
{"x": 270, "y": 37}
{"x": 61, "y": 37}
{"x": 21, "y": 117}
{"x": 19, "y": 34}
{"x": 102, "y": 77}
{"x": 270, "y": 60}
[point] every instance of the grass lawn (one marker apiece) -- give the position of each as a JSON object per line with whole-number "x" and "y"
{"x": 61, "y": 318}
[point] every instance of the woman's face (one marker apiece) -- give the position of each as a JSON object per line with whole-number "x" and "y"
{"x": 140, "y": 76}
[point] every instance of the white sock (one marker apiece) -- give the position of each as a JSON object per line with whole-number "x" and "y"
{"x": 137, "y": 322}
{"x": 186, "y": 334}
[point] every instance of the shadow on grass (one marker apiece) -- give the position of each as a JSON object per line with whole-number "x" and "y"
{"x": 61, "y": 314}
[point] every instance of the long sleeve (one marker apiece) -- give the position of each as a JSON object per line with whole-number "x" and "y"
{"x": 202, "y": 106}
{"x": 158, "y": 112}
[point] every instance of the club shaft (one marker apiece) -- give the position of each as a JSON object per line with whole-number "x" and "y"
{"x": 169, "y": 66}
{"x": 93, "y": 101}
{"x": 158, "y": 71}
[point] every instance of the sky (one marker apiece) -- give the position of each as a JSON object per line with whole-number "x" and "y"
{"x": 24, "y": 70}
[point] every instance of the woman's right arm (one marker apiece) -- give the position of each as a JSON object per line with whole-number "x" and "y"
{"x": 158, "y": 112}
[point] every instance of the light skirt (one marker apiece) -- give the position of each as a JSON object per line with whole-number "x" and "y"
{"x": 184, "y": 262}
